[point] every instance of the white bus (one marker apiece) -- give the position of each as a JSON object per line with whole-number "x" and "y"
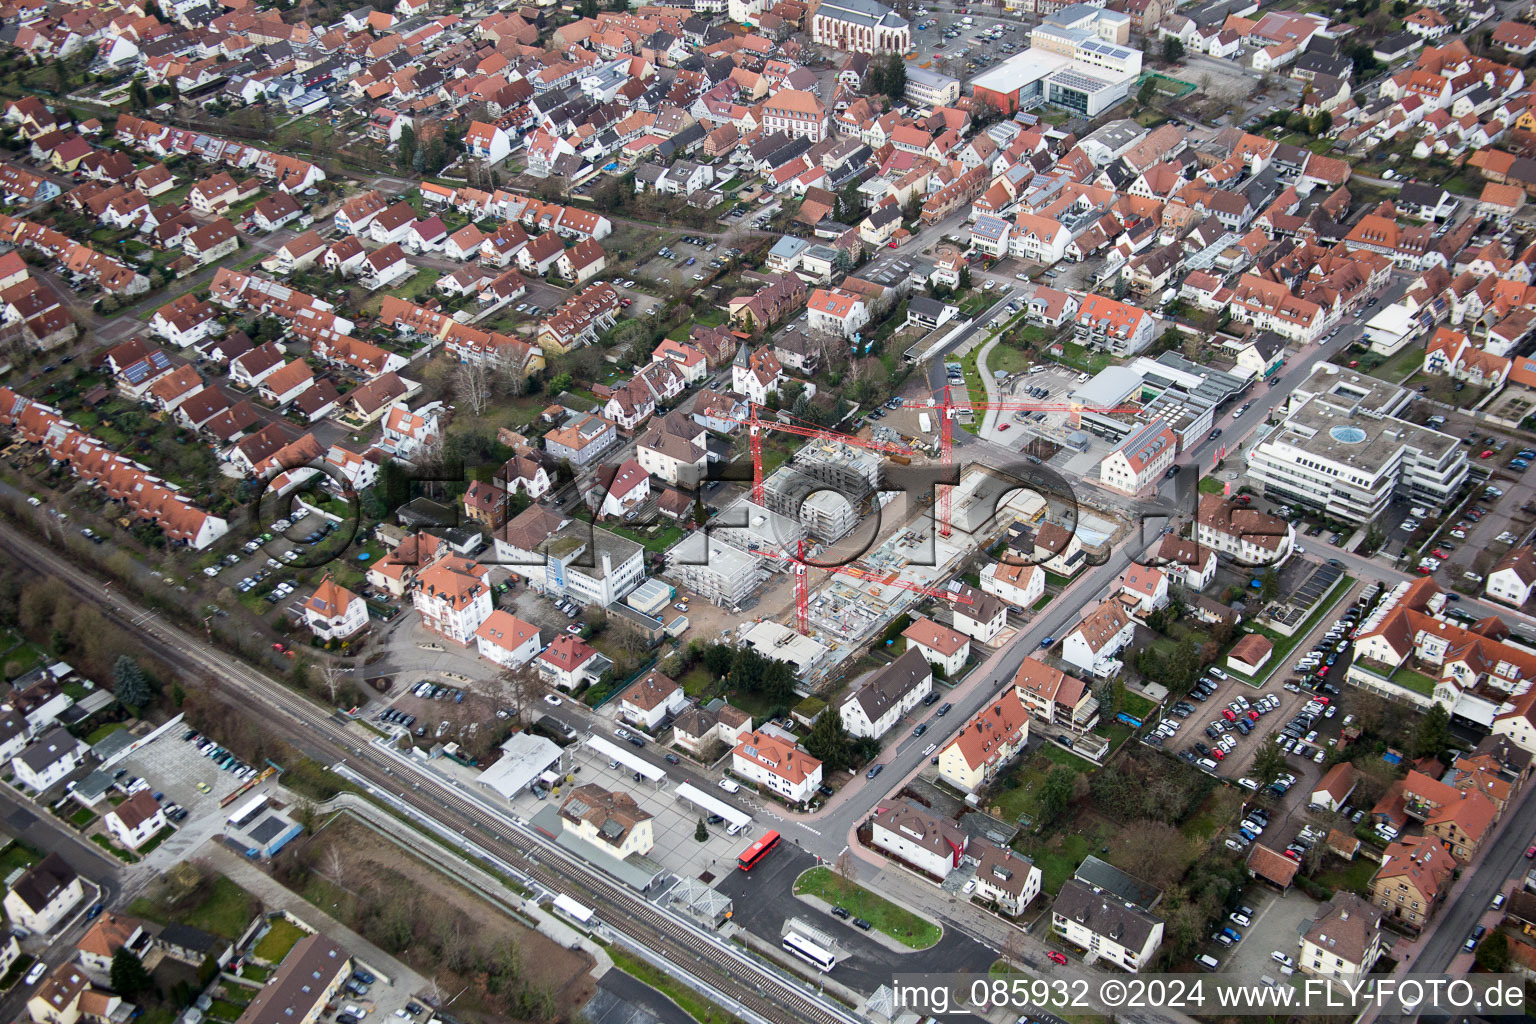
{"x": 808, "y": 951}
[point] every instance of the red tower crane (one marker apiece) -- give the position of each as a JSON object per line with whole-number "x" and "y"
{"x": 755, "y": 427}
{"x": 947, "y": 409}
{"x": 799, "y": 566}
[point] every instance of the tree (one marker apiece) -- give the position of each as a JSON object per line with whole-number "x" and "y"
{"x": 1145, "y": 93}
{"x": 1321, "y": 122}
{"x": 1268, "y": 763}
{"x": 130, "y": 686}
{"x": 405, "y": 149}
{"x": 1493, "y": 952}
{"x": 560, "y": 382}
{"x": 828, "y": 742}
{"x": 138, "y": 96}
{"x": 472, "y": 385}
{"x": 1433, "y": 731}
{"x": 1269, "y": 585}
{"x": 700, "y": 832}
{"x": 1173, "y": 49}
{"x": 1056, "y": 792}
{"x": 128, "y": 977}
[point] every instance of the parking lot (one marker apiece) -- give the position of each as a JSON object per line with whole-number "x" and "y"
{"x": 1219, "y": 712}
{"x": 690, "y": 260}
{"x": 174, "y": 767}
{"x": 1273, "y": 927}
{"x": 964, "y": 43}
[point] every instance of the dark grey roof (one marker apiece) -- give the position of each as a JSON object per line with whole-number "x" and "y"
{"x": 1098, "y": 874}
{"x": 1103, "y": 915}
{"x": 50, "y": 748}
{"x": 888, "y": 686}
{"x": 184, "y": 936}
{"x": 44, "y": 881}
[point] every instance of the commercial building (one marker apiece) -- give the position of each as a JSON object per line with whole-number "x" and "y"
{"x": 1347, "y": 450}
{"x": 927, "y": 88}
{"x": 611, "y": 821}
{"x": 577, "y": 560}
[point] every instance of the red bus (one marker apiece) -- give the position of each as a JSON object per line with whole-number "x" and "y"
{"x": 758, "y": 850}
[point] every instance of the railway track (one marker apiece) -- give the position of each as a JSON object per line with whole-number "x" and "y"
{"x": 758, "y": 990}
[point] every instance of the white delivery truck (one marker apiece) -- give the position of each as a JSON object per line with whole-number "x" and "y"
{"x": 925, "y": 423}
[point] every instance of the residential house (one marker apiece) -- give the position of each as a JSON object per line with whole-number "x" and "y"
{"x": 875, "y": 707}
{"x": 776, "y": 766}
{"x": 506, "y": 640}
{"x": 136, "y": 820}
{"x": 919, "y": 837}
{"x": 650, "y": 700}
{"x": 987, "y": 742}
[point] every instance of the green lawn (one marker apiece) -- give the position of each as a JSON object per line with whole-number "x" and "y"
{"x": 280, "y": 938}
{"x": 101, "y": 732}
{"x": 1008, "y": 358}
{"x": 255, "y": 972}
{"x": 1348, "y": 876}
{"x": 1060, "y": 856}
{"x": 897, "y": 922}
{"x": 1418, "y": 682}
{"x": 1075, "y": 355}
{"x": 16, "y": 857}
{"x": 226, "y": 910}
{"x": 82, "y": 818}
{"x": 696, "y": 680}
{"x": 224, "y": 1010}
{"x": 693, "y": 1004}
{"x": 1402, "y": 365}
{"x": 1210, "y": 485}
{"x": 653, "y": 538}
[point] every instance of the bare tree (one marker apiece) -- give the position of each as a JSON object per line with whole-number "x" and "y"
{"x": 333, "y": 677}
{"x": 517, "y": 689}
{"x": 333, "y": 865}
{"x": 472, "y": 386}
{"x": 844, "y": 866}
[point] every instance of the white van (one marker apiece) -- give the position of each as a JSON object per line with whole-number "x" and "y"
{"x": 1207, "y": 962}
{"x": 729, "y": 786}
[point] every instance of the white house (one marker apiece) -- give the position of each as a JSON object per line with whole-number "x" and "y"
{"x": 628, "y": 489}
{"x": 1003, "y": 877}
{"x": 506, "y": 640}
{"x": 1141, "y": 461}
{"x": 939, "y": 645}
{"x": 880, "y": 701}
{"x": 1145, "y": 590}
{"x": 650, "y": 699}
{"x": 978, "y": 614}
{"x": 1018, "y": 585}
{"x": 453, "y": 598}
{"x": 43, "y": 896}
{"x": 1334, "y": 788}
{"x": 986, "y": 744}
{"x": 333, "y": 612}
{"x": 1058, "y": 550}
{"x": 136, "y": 820}
{"x": 568, "y": 663}
{"x": 48, "y": 760}
{"x": 1344, "y": 941}
{"x": 919, "y": 837}
{"x": 1093, "y": 644}
{"x": 1039, "y": 239}
{"x": 1186, "y": 561}
{"x": 837, "y": 312}
{"x": 777, "y": 766}
{"x": 487, "y": 142}
{"x": 1108, "y": 927}
{"x": 1513, "y": 578}
{"x": 1245, "y": 535}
